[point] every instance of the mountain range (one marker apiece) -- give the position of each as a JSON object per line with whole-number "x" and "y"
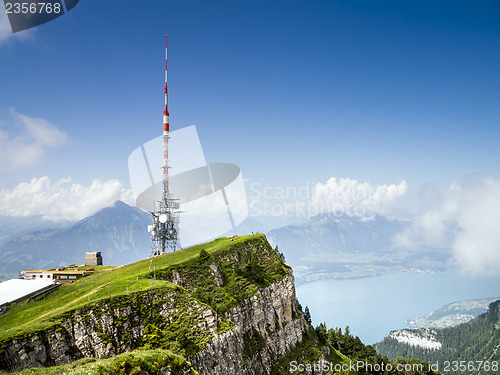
{"x": 118, "y": 232}
{"x": 13, "y": 226}
{"x": 329, "y": 246}
{"x": 453, "y": 314}
{"x": 324, "y": 247}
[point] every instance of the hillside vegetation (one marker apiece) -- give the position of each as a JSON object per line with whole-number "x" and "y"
{"x": 469, "y": 348}
{"x": 146, "y": 275}
{"x": 173, "y": 303}
{"x": 136, "y": 362}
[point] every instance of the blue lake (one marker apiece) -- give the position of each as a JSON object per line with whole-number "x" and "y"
{"x": 373, "y": 306}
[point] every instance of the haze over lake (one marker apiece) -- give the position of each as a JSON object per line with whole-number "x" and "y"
{"x": 373, "y": 306}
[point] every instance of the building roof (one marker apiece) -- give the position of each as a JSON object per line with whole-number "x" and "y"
{"x": 13, "y": 289}
{"x": 54, "y": 271}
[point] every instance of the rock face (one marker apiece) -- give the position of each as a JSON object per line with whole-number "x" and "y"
{"x": 268, "y": 326}
{"x": 108, "y": 329}
{"x": 44, "y": 348}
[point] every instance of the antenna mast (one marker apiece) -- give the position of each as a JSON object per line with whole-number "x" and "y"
{"x": 165, "y": 228}
{"x": 165, "y": 129}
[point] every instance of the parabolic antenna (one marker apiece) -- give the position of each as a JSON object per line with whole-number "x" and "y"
{"x": 163, "y": 218}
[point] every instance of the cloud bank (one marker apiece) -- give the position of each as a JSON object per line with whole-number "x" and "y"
{"x": 354, "y": 198}
{"x": 28, "y": 146}
{"x": 467, "y": 221}
{"x": 62, "y": 200}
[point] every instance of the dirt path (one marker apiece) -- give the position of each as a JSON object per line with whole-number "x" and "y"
{"x": 72, "y": 302}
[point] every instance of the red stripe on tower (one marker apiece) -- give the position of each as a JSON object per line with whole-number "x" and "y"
{"x": 165, "y": 112}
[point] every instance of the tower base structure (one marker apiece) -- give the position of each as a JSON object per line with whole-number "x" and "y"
{"x": 165, "y": 228}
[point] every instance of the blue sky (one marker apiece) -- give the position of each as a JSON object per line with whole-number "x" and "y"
{"x": 291, "y": 91}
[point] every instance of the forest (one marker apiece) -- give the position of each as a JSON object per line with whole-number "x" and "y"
{"x": 469, "y": 348}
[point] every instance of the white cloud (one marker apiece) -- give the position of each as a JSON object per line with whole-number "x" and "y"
{"x": 62, "y": 200}
{"x": 354, "y": 198}
{"x": 5, "y": 29}
{"x": 467, "y": 221}
{"x": 6, "y": 34}
{"x": 26, "y": 147}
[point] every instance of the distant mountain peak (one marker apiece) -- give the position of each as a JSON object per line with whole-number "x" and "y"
{"x": 338, "y": 218}
{"x": 119, "y": 231}
{"x": 121, "y": 204}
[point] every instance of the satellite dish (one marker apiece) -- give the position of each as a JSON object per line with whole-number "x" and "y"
{"x": 163, "y": 218}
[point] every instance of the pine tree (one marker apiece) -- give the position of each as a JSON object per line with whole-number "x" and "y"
{"x": 307, "y": 315}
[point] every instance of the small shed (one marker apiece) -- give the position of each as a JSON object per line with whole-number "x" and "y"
{"x": 93, "y": 259}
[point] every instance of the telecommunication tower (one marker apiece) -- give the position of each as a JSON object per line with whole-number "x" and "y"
{"x": 165, "y": 228}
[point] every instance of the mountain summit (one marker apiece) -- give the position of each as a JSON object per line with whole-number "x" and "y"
{"x": 119, "y": 232}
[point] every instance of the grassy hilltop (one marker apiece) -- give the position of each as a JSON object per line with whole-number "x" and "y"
{"x": 148, "y": 317}
{"x": 241, "y": 269}
{"x": 140, "y": 276}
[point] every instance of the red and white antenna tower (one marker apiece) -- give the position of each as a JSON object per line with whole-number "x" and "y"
{"x": 165, "y": 228}
{"x": 166, "y": 128}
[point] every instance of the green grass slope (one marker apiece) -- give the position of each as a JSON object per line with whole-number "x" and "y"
{"x": 135, "y": 277}
{"x": 217, "y": 275}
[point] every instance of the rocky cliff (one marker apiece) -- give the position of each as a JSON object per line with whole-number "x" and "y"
{"x": 267, "y": 326}
{"x": 228, "y": 307}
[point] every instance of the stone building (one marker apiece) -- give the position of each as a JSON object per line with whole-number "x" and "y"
{"x": 93, "y": 259}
